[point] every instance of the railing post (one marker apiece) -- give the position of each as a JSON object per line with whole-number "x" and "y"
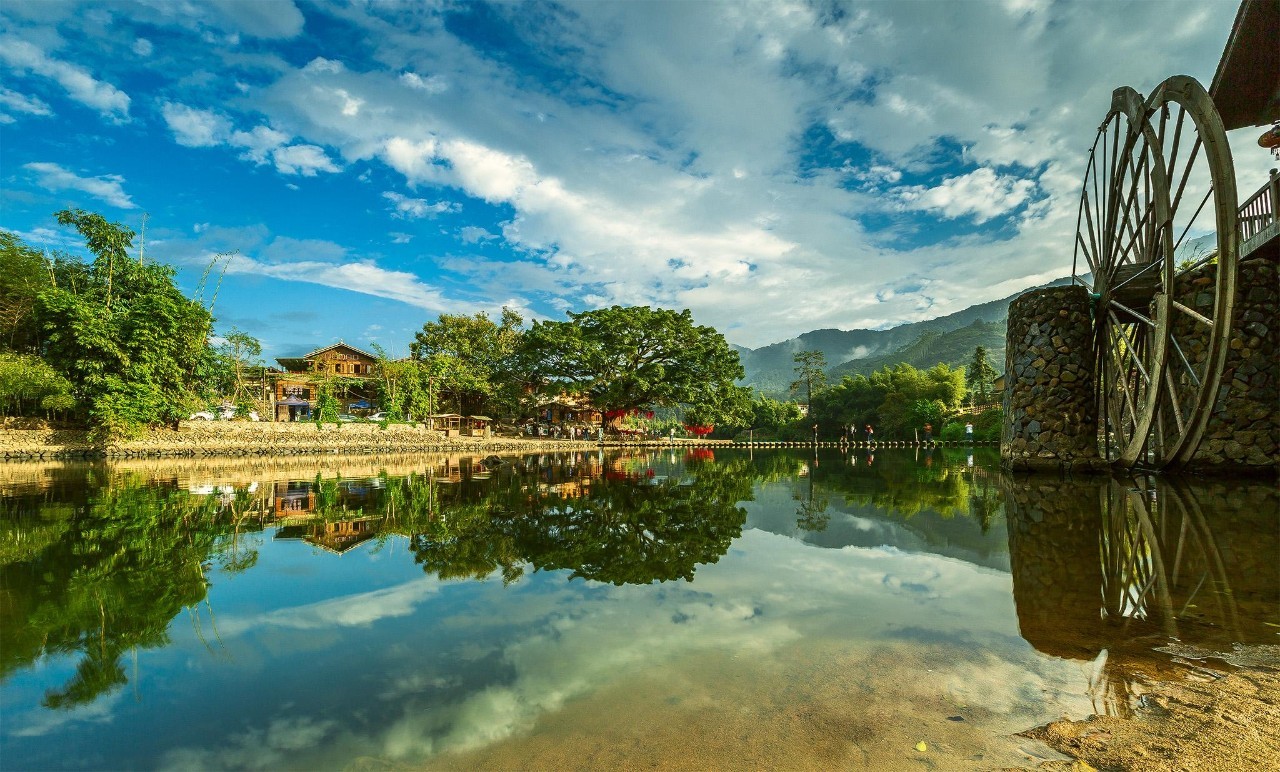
{"x": 1275, "y": 196}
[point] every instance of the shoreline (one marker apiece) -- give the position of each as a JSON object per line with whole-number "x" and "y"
{"x": 265, "y": 439}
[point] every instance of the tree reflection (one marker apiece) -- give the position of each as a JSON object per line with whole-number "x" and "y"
{"x": 109, "y": 576}
{"x": 629, "y": 525}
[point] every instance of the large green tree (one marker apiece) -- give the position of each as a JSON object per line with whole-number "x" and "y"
{"x": 133, "y": 347}
{"x": 624, "y": 358}
{"x": 473, "y": 361}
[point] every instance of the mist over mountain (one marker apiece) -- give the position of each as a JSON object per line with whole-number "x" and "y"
{"x": 950, "y": 339}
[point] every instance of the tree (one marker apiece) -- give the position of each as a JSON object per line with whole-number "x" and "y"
{"x": 26, "y": 274}
{"x": 628, "y": 358}
{"x": 474, "y": 360}
{"x": 979, "y": 375}
{"x": 811, "y": 372}
{"x": 134, "y": 349}
{"x": 237, "y": 356}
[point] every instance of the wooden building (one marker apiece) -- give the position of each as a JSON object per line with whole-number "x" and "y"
{"x": 294, "y": 391}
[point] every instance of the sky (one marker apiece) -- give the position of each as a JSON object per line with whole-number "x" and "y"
{"x": 352, "y": 170}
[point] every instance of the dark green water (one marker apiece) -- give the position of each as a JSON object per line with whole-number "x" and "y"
{"x": 675, "y": 610}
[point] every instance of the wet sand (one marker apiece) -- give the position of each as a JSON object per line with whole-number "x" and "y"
{"x": 1223, "y": 714}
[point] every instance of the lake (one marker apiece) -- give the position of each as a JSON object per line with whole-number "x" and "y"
{"x": 679, "y": 609}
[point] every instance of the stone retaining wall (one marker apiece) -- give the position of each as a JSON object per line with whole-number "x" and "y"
{"x": 1049, "y": 411}
{"x": 203, "y": 439}
{"x": 1244, "y": 428}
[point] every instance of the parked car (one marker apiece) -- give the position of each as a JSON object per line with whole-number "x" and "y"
{"x": 381, "y": 415}
{"x": 347, "y": 417}
{"x": 203, "y": 415}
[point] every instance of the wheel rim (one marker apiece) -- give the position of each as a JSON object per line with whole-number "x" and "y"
{"x": 1123, "y": 239}
{"x": 1200, "y": 271}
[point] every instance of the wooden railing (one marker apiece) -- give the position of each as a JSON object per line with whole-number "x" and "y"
{"x": 1258, "y": 216}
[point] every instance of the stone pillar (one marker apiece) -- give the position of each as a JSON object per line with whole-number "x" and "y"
{"x": 1054, "y": 531}
{"x": 1243, "y": 432}
{"x": 1050, "y": 413}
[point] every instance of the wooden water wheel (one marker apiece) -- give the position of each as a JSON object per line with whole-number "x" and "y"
{"x": 1156, "y": 246}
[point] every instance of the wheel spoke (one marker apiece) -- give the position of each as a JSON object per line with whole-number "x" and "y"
{"x": 1145, "y": 320}
{"x": 1173, "y": 401}
{"x": 1194, "y": 217}
{"x": 1190, "y": 370}
{"x": 1130, "y": 345}
{"x": 1186, "y": 174}
{"x": 1191, "y": 312}
{"x": 1159, "y": 259}
{"x": 1177, "y": 136}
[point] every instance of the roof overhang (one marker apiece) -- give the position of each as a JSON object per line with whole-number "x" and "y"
{"x": 1246, "y": 87}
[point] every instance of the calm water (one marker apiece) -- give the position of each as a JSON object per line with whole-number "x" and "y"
{"x": 595, "y": 611}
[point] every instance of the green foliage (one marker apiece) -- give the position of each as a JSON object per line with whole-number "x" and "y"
{"x": 235, "y": 359}
{"x": 627, "y": 358}
{"x": 133, "y": 348}
{"x": 811, "y": 374}
{"x": 327, "y": 407}
{"x": 894, "y": 400}
{"x": 26, "y": 274}
{"x": 29, "y": 387}
{"x": 473, "y": 361}
{"x": 979, "y": 375}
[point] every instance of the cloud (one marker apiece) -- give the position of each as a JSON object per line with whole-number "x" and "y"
{"x": 406, "y": 208}
{"x": 471, "y": 234}
{"x": 14, "y": 102}
{"x": 78, "y": 83}
{"x": 261, "y": 18}
{"x": 304, "y": 160}
{"x": 107, "y": 187}
{"x": 432, "y": 84}
{"x": 981, "y": 193}
{"x": 142, "y": 47}
{"x": 195, "y": 128}
{"x": 400, "y": 238}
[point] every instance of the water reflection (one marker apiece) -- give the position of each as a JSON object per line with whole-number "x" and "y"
{"x": 1109, "y": 570}
{"x": 96, "y": 563}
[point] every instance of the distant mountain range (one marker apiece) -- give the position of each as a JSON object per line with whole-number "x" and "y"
{"x": 949, "y": 339}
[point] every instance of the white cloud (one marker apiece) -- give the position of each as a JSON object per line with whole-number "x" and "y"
{"x": 471, "y": 234}
{"x": 192, "y": 127}
{"x": 980, "y": 193}
{"x": 12, "y": 101}
{"x": 107, "y": 187}
{"x": 78, "y": 83}
{"x": 432, "y": 84}
{"x": 143, "y": 47}
{"x": 261, "y": 18}
{"x": 304, "y": 160}
{"x": 406, "y": 208}
{"x": 258, "y": 143}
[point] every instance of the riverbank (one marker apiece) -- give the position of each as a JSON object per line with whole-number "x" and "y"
{"x": 34, "y": 441}
{"x": 1223, "y": 714}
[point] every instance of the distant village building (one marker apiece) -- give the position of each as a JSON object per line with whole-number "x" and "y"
{"x": 295, "y": 391}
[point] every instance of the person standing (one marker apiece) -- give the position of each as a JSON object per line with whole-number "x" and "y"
{"x": 871, "y": 435}
{"x": 968, "y": 432}
{"x": 928, "y": 433}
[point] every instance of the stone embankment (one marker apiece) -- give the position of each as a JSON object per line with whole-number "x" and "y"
{"x": 23, "y": 439}
{"x": 1049, "y": 414}
{"x": 1244, "y": 427}
{"x": 206, "y": 439}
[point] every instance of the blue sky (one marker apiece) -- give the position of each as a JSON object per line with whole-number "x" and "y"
{"x": 776, "y": 167}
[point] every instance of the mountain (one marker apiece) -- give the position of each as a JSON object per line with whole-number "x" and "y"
{"x": 950, "y": 339}
{"x": 953, "y": 348}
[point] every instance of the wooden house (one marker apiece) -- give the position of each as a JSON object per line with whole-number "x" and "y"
{"x": 294, "y": 390}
